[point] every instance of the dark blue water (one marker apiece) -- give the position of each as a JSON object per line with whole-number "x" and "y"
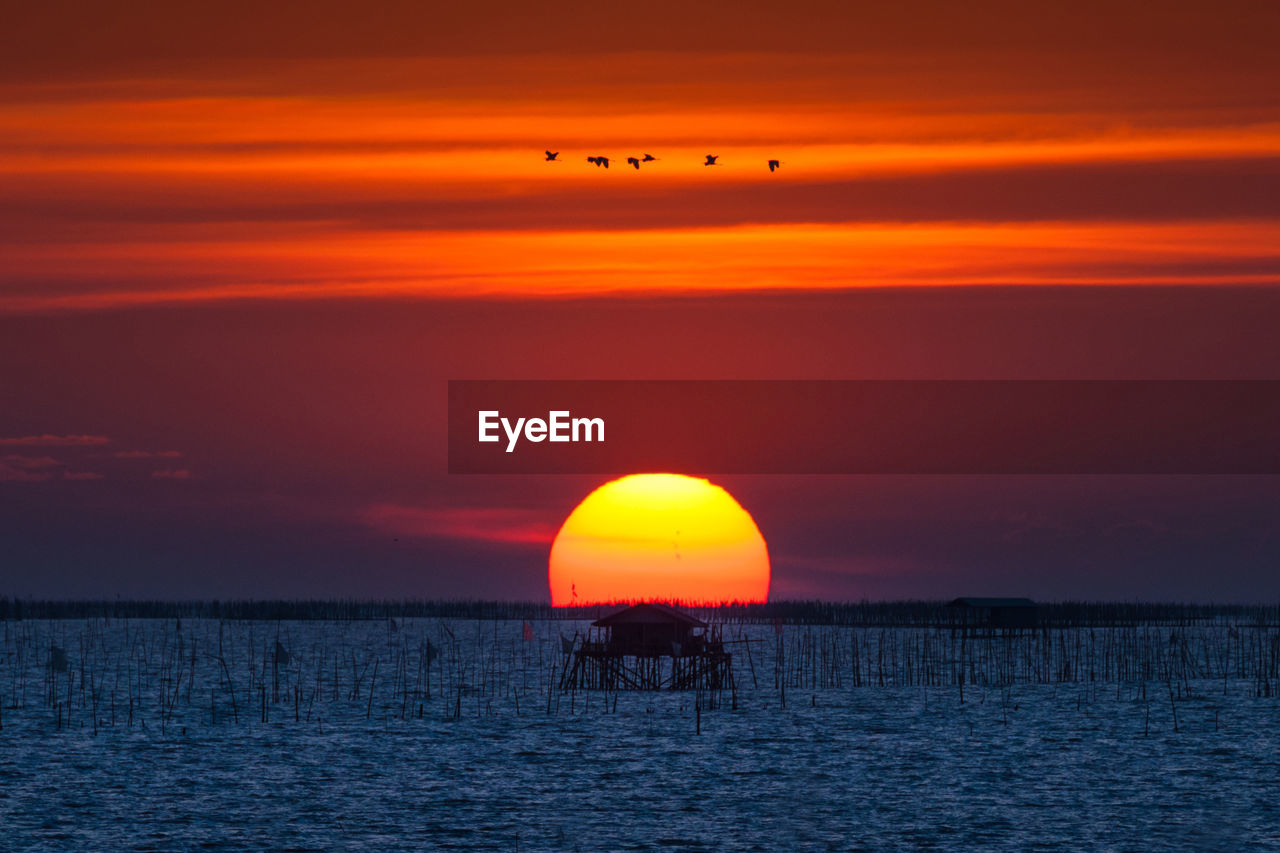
{"x": 1063, "y": 767}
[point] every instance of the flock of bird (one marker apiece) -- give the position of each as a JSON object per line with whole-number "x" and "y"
{"x": 554, "y": 157}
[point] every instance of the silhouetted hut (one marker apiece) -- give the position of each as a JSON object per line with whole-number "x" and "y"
{"x": 997, "y": 612}
{"x": 628, "y": 650}
{"x": 652, "y": 630}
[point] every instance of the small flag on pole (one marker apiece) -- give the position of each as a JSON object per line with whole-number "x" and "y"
{"x": 566, "y": 644}
{"x": 528, "y": 632}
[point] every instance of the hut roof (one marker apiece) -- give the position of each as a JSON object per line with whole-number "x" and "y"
{"x": 649, "y": 612}
{"x": 992, "y": 602}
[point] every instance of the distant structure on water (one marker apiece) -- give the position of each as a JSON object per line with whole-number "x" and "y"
{"x": 649, "y": 647}
{"x": 1001, "y": 613}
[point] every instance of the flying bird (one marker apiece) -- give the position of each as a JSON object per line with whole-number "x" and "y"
{"x": 552, "y": 155}
{"x": 774, "y": 164}
{"x": 599, "y": 161}
{"x": 711, "y": 159}
{"x": 633, "y": 162}
{"x": 648, "y": 158}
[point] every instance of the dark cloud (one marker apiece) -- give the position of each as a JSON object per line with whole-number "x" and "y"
{"x": 31, "y": 463}
{"x": 50, "y": 440}
{"x": 10, "y": 473}
{"x": 61, "y": 38}
{"x": 485, "y": 524}
{"x": 1160, "y": 191}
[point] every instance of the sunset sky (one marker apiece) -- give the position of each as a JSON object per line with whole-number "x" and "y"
{"x": 242, "y": 250}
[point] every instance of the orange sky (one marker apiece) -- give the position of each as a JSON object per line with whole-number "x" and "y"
{"x": 930, "y": 150}
{"x": 211, "y": 215}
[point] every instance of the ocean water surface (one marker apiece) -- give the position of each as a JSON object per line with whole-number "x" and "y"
{"x": 431, "y": 735}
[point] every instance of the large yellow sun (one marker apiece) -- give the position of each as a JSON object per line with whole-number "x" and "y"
{"x": 658, "y": 537}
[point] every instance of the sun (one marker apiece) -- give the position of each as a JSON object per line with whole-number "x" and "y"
{"x": 658, "y": 537}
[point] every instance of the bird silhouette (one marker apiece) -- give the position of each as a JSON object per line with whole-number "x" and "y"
{"x": 774, "y": 164}
{"x": 599, "y": 161}
{"x": 711, "y": 159}
{"x": 633, "y": 162}
{"x": 648, "y": 158}
{"x": 552, "y": 155}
